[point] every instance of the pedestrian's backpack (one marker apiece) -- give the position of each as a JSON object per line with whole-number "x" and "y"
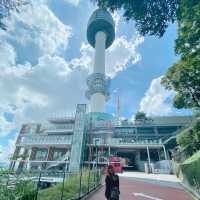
{"x": 114, "y": 193}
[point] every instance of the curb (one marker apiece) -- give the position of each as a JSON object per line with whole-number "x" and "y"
{"x": 191, "y": 191}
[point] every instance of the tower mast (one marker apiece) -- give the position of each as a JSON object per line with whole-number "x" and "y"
{"x": 100, "y": 35}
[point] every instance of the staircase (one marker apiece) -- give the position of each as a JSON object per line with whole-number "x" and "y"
{"x": 78, "y": 138}
{"x": 62, "y": 160}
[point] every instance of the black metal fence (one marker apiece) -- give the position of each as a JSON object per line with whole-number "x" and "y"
{"x": 49, "y": 185}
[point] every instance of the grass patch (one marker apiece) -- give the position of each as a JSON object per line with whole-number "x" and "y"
{"x": 71, "y": 186}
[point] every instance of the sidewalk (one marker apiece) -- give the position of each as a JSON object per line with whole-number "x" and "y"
{"x": 158, "y": 177}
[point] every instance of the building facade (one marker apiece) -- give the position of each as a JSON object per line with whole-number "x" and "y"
{"x": 90, "y": 138}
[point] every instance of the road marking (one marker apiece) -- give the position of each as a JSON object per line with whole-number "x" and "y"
{"x": 147, "y": 196}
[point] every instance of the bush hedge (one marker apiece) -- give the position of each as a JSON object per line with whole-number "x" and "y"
{"x": 189, "y": 139}
{"x": 191, "y": 169}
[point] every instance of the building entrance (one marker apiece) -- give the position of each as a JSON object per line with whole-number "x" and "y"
{"x": 128, "y": 159}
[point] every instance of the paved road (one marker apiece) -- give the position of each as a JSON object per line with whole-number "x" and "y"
{"x": 147, "y": 189}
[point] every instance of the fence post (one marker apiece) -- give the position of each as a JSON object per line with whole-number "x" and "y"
{"x": 63, "y": 184}
{"x": 37, "y": 189}
{"x": 80, "y": 188}
{"x": 7, "y": 182}
{"x": 98, "y": 175}
{"x": 89, "y": 180}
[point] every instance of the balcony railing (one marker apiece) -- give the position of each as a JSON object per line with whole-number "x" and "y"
{"x": 46, "y": 140}
{"x": 58, "y": 128}
{"x": 120, "y": 141}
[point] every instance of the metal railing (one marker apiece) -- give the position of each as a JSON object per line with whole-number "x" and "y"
{"x": 36, "y": 186}
{"x": 46, "y": 140}
{"x": 60, "y": 127}
{"x": 121, "y": 141}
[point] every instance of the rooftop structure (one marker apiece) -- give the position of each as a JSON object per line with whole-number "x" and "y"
{"x": 101, "y": 21}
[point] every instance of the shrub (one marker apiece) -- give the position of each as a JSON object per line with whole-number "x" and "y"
{"x": 189, "y": 139}
{"x": 190, "y": 169}
{"x": 22, "y": 190}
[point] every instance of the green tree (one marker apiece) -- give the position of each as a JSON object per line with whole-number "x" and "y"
{"x": 189, "y": 139}
{"x": 151, "y": 17}
{"x": 140, "y": 116}
{"x": 184, "y": 76}
{"x": 196, "y": 129}
{"x": 185, "y": 141}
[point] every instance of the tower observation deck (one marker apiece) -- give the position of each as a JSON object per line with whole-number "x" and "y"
{"x": 100, "y": 35}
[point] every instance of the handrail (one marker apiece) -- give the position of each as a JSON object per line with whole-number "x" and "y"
{"x": 45, "y": 139}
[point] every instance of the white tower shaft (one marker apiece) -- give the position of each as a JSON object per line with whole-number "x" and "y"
{"x": 100, "y": 35}
{"x": 98, "y": 100}
{"x": 99, "y": 60}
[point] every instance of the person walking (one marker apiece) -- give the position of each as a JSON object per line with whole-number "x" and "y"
{"x": 112, "y": 191}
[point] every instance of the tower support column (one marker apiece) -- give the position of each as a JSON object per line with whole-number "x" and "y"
{"x": 98, "y": 100}
{"x": 148, "y": 154}
{"x": 99, "y": 60}
{"x": 165, "y": 153}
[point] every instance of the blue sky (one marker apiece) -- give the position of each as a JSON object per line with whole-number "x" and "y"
{"x": 45, "y": 59}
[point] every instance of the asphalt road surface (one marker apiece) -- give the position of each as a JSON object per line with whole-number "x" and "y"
{"x": 147, "y": 189}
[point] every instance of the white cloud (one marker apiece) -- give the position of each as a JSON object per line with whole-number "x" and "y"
{"x": 31, "y": 91}
{"x": 41, "y": 89}
{"x": 157, "y": 100}
{"x": 36, "y": 25}
{"x": 7, "y": 151}
{"x": 6, "y": 51}
{"x": 5, "y": 125}
{"x": 73, "y": 2}
{"x": 116, "y": 18}
{"x": 47, "y": 87}
{"x": 22, "y": 86}
{"x": 118, "y": 55}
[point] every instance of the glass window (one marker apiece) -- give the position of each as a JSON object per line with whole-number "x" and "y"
{"x": 41, "y": 154}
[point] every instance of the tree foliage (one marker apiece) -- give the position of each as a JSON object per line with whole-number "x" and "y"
{"x": 151, "y": 17}
{"x": 184, "y": 76}
{"x": 189, "y": 140}
{"x": 140, "y": 116}
{"x": 6, "y": 6}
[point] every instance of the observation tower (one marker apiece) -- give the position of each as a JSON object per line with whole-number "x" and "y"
{"x": 100, "y": 35}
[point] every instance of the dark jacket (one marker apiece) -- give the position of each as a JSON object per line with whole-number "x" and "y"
{"x": 110, "y": 183}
